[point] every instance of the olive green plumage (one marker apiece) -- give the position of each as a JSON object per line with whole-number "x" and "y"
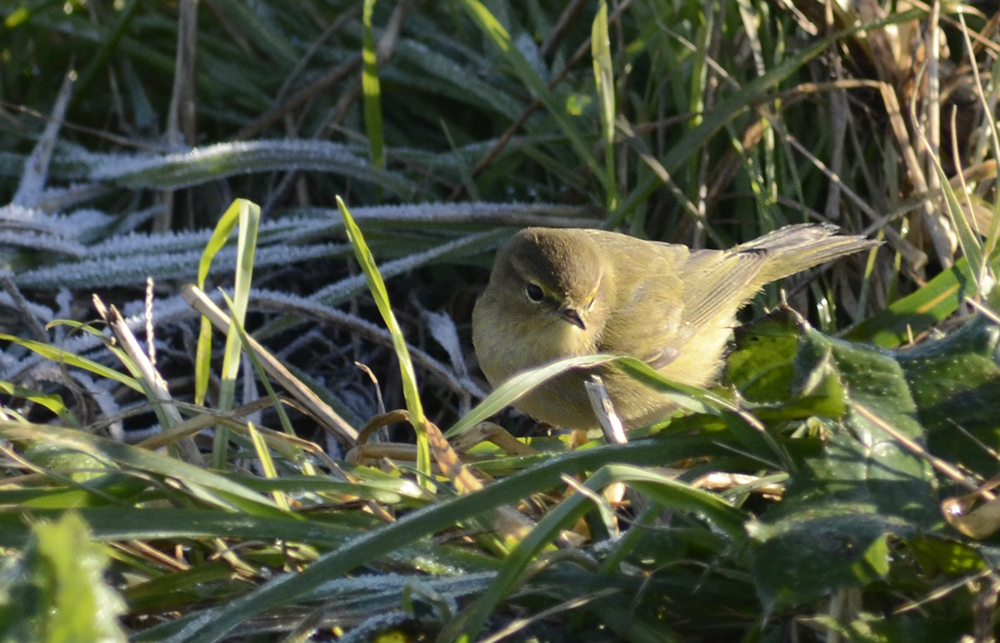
{"x": 556, "y": 293}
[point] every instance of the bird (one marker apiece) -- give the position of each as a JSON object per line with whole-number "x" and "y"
{"x": 564, "y": 292}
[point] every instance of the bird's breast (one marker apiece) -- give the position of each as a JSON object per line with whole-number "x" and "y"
{"x": 514, "y": 347}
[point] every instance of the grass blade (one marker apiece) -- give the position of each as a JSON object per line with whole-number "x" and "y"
{"x": 371, "y": 91}
{"x": 410, "y": 391}
{"x": 600, "y": 47}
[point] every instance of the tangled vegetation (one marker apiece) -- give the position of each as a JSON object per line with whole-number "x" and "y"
{"x": 240, "y": 249}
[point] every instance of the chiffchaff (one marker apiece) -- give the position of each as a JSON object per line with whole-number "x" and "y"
{"x": 557, "y": 293}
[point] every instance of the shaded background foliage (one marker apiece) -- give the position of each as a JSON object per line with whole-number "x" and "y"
{"x": 445, "y": 126}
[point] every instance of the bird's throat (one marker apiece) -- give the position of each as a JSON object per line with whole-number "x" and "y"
{"x": 559, "y": 340}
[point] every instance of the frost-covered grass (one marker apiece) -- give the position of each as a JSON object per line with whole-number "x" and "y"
{"x": 828, "y": 490}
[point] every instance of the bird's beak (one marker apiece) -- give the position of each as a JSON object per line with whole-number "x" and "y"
{"x": 573, "y": 317}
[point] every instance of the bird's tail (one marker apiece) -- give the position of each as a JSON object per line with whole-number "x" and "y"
{"x": 794, "y": 248}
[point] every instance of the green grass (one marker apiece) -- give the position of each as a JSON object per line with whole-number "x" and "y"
{"x": 827, "y": 490}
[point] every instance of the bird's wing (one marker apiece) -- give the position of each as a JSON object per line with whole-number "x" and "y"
{"x": 646, "y": 313}
{"x": 717, "y": 283}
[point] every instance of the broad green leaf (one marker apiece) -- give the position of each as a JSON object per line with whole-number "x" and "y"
{"x": 811, "y": 553}
{"x": 761, "y": 365}
{"x": 949, "y": 556}
{"x": 956, "y": 384}
{"x": 861, "y": 461}
{"x": 766, "y": 369}
{"x": 913, "y": 627}
{"x": 829, "y": 532}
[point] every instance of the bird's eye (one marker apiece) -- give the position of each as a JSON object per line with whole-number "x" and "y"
{"x": 535, "y": 293}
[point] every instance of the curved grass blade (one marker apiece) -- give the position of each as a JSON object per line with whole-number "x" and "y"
{"x": 691, "y": 398}
{"x": 51, "y": 401}
{"x": 249, "y": 221}
{"x": 381, "y": 296}
{"x": 918, "y": 311}
{"x": 219, "y": 238}
{"x": 276, "y": 402}
{"x": 58, "y": 355}
{"x": 518, "y": 386}
{"x": 246, "y": 215}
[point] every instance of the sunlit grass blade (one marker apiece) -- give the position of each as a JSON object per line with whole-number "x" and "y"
{"x": 967, "y": 240}
{"x": 688, "y": 397}
{"x": 267, "y": 464}
{"x": 600, "y": 46}
{"x": 993, "y": 235}
{"x": 60, "y": 356}
{"x": 276, "y": 402}
{"x": 518, "y": 386}
{"x": 381, "y": 296}
{"x": 321, "y": 411}
{"x": 734, "y": 105}
{"x": 247, "y": 216}
{"x": 220, "y": 236}
{"x": 249, "y": 220}
{"x": 51, "y": 401}
{"x": 195, "y": 478}
{"x": 371, "y": 91}
{"x": 910, "y": 316}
